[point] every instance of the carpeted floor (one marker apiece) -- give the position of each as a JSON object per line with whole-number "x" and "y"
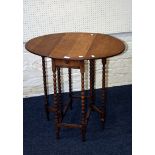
{"x": 114, "y": 139}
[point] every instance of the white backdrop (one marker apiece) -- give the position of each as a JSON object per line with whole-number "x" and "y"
{"x": 50, "y": 16}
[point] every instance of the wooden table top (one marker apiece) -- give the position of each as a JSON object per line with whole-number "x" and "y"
{"x": 75, "y": 46}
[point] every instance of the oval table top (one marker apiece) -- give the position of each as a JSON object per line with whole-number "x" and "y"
{"x": 75, "y": 46}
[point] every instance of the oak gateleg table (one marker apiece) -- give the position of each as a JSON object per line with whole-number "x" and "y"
{"x": 71, "y": 50}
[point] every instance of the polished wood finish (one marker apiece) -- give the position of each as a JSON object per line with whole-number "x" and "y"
{"x": 70, "y": 50}
{"x": 56, "y": 103}
{"x": 103, "y": 90}
{"x": 68, "y": 63}
{"x": 76, "y": 46}
{"x": 92, "y": 77}
{"x": 45, "y": 88}
{"x": 59, "y": 90}
{"x": 67, "y": 125}
{"x": 70, "y": 86}
{"x": 83, "y": 113}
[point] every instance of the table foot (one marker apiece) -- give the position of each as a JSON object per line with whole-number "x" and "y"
{"x": 83, "y": 133}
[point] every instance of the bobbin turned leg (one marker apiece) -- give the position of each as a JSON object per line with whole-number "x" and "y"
{"x": 59, "y": 92}
{"x": 45, "y": 88}
{"x": 70, "y": 86}
{"x": 103, "y": 91}
{"x": 83, "y": 120}
{"x": 92, "y": 77}
{"x": 56, "y": 105}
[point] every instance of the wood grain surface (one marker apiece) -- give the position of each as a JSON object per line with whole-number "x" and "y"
{"x": 75, "y": 46}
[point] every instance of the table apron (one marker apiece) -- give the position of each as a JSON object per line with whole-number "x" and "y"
{"x": 68, "y": 63}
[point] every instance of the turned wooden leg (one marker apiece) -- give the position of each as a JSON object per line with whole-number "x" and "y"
{"x": 83, "y": 120}
{"x": 70, "y": 86}
{"x": 56, "y": 105}
{"x": 45, "y": 88}
{"x": 103, "y": 90}
{"x": 59, "y": 92}
{"x": 92, "y": 78}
